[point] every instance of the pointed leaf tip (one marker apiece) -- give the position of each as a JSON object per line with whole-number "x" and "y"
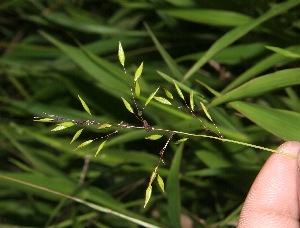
{"x": 86, "y": 108}
{"x": 153, "y": 175}
{"x": 161, "y": 183}
{"x": 137, "y": 89}
{"x": 100, "y": 147}
{"x": 148, "y": 195}
{"x": 127, "y": 105}
{"x": 181, "y": 140}
{"x": 103, "y": 126}
{"x": 84, "y": 144}
{"x": 46, "y": 120}
{"x": 163, "y": 100}
{"x": 151, "y": 96}
{"x": 178, "y": 91}
{"x": 138, "y": 72}
{"x": 63, "y": 125}
{"x": 154, "y": 137}
{"x": 77, "y": 134}
{"x": 168, "y": 93}
{"x": 206, "y": 112}
{"x": 59, "y": 128}
{"x": 121, "y": 54}
{"x": 192, "y": 100}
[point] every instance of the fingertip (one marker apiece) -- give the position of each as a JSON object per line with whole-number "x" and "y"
{"x": 290, "y": 147}
{"x": 273, "y": 195}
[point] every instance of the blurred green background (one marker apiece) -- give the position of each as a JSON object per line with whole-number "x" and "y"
{"x": 53, "y": 51}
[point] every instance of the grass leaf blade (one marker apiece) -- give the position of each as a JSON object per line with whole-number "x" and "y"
{"x": 127, "y": 105}
{"x": 148, "y": 195}
{"x": 239, "y": 32}
{"x": 138, "y": 72}
{"x": 162, "y": 100}
{"x": 151, "y": 96}
{"x": 161, "y": 183}
{"x": 84, "y": 144}
{"x": 178, "y": 91}
{"x": 100, "y": 147}
{"x": 173, "y": 189}
{"x": 283, "y": 52}
{"x": 86, "y": 108}
{"x": 77, "y": 134}
{"x": 121, "y": 55}
{"x": 154, "y": 137}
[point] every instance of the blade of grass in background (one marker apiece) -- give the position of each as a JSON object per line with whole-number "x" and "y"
{"x": 173, "y": 189}
{"x": 167, "y": 58}
{"x": 281, "y": 123}
{"x": 52, "y": 192}
{"x": 261, "y": 85}
{"x": 210, "y": 17}
{"x": 261, "y": 66}
{"x": 87, "y": 65}
{"x": 238, "y": 32}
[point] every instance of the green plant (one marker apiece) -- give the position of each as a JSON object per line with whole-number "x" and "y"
{"x": 206, "y": 180}
{"x": 148, "y": 128}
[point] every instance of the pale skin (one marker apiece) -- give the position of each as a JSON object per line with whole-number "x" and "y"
{"x": 273, "y": 200}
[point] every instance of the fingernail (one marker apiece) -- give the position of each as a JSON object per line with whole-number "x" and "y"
{"x": 292, "y": 148}
{"x": 295, "y": 148}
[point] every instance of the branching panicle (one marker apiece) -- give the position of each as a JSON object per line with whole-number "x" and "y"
{"x": 138, "y": 112}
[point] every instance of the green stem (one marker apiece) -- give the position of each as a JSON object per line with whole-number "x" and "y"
{"x": 238, "y": 142}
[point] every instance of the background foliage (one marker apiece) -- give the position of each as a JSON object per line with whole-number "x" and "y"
{"x": 53, "y": 51}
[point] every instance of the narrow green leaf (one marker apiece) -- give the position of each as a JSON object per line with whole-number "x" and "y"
{"x": 153, "y": 175}
{"x": 172, "y": 64}
{"x": 151, "y": 96}
{"x": 228, "y": 55}
{"x": 178, "y": 91}
{"x": 103, "y": 126}
{"x": 261, "y": 85}
{"x": 161, "y": 183}
{"x": 86, "y": 108}
{"x": 137, "y": 89}
{"x": 282, "y": 123}
{"x": 138, "y": 72}
{"x": 100, "y": 147}
{"x": 209, "y": 117}
{"x": 77, "y": 134}
{"x": 67, "y": 124}
{"x": 206, "y": 112}
{"x": 168, "y": 93}
{"x": 238, "y": 32}
{"x": 173, "y": 189}
{"x": 192, "y": 100}
{"x": 127, "y": 105}
{"x": 181, "y": 140}
{"x": 209, "y": 17}
{"x": 162, "y": 100}
{"x": 283, "y": 52}
{"x": 214, "y": 92}
{"x": 154, "y": 137}
{"x": 63, "y": 126}
{"x": 46, "y": 120}
{"x": 148, "y": 195}
{"x": 121, "y": 55}
{"x": 90, "y": 66}
{"x": 59, "y": 127}
{"x": 84, "y": 144}
{"x": 59, "y": 185}
{"x": 180, "y": 3}
{"x": 263, "y": 65}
